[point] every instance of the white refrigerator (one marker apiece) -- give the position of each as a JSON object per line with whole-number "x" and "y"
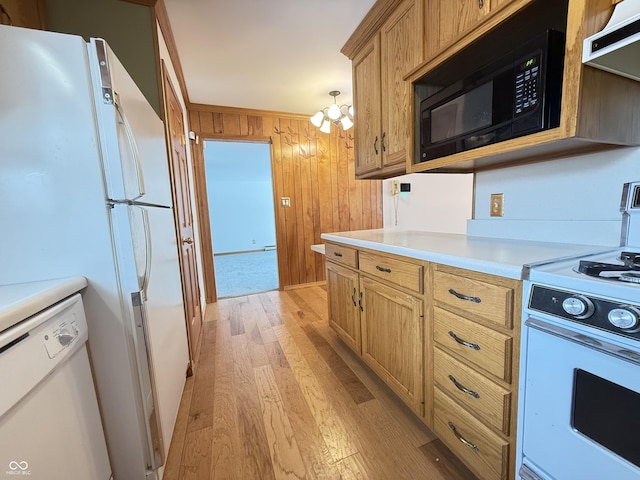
{"x": 85, "y": 190}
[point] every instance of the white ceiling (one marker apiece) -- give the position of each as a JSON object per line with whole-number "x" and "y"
{"x": 281, "y": 55}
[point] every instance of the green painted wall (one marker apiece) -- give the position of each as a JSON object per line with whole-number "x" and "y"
{"x": 128, "y": 28}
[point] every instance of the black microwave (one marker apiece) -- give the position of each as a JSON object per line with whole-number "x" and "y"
{"x": 517, "y": 95}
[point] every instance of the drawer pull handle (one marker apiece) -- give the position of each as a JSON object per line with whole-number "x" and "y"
{"x": 337, "y": 254}
{"x": 353, "y": 297}
{"x": 475, "y": 346}
{"x": 472, "y": 446}
{"x": 464, "y": 297}
{"x": 360, "y": 302}
{"x": 462, "y": 388}
{"x": 382, "y": 269}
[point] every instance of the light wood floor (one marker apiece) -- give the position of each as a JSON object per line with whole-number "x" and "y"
{"x": 277, "y": 395}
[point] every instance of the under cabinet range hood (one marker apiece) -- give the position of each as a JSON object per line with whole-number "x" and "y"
{"x": 616, "y": 48}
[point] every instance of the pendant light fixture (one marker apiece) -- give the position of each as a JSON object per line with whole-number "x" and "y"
{"x": 334, "y": 113}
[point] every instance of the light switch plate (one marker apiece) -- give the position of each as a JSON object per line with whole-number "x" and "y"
{"x": 497, "y": 205}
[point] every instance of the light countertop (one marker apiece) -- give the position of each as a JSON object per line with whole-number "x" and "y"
{"x": 19, "y": 301}
{"x": 503, "y": 257}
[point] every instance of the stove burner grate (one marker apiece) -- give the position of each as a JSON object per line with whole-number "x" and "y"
{"x": 629, "y": 271}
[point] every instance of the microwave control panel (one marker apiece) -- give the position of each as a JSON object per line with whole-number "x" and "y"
{"x": 527, "y": 83}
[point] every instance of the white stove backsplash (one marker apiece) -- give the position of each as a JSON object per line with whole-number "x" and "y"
{"x": 583, "y": 232}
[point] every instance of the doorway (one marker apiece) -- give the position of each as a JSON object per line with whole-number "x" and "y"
{"x": 242, "y": 217}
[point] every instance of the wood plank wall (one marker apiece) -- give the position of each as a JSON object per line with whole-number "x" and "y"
{"x": 315, "y": 170}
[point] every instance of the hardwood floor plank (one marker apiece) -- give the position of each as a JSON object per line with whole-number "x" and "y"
{"x": 285, "y": 455}
{"x": 271, "y": 305}
{"x": 225, "y": 447}
{"x": 201, "y": 409}
{"x": 235, "y": 317}
{"x": 278, "y": 395}
{"x": 334, "y": 432}
{"x": 262, "y": 319}
{"x": 414, "y": 428}
{"x": 255, "y": 458}
{"x": 314, "y": 451}
{"x": 196, "y": 460}
{"x": 353, "y": 468}
{"x": 445, "y": 462}
{"x": 357, "y": 390}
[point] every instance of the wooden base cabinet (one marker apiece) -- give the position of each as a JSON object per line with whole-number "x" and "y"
{"x": 376, "y": 307}
{"x": 393, "y": 339}
{"x": 473, "y": 363}
{"x": 342, "y": 295}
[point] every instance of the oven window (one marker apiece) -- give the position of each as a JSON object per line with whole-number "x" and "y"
{"x": 463, "y": 114}
{"x": 608, "y": 414}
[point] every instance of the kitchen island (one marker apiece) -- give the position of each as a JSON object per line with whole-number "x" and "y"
{"x": 438, "y": 317}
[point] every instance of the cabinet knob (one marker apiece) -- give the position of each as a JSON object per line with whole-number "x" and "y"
{"x": 375, "y": 145}
{"x": 480, "y": 4}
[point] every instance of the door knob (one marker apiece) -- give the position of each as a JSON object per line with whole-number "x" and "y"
{"x": 187, "y": 240}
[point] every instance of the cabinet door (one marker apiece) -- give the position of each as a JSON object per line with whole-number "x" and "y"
{"x": 366, "y": 104}
{"x": 342, "y": 297}
{"x": 456, "y": 18}
{"x": 401, "y": 51}
{"x": 392, "y": 339}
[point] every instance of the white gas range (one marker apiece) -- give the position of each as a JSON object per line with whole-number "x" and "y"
{"x": 580, "y": 363}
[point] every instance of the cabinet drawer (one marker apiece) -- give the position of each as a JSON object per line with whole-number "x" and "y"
{"x": 491, "y": 302}
{"x": 341, "y": 254}
{"x": 486, "y": 348}
{"x": 406, "y": 274}
{"x": 484, "y": 452}
{"x": 485, "y": 399}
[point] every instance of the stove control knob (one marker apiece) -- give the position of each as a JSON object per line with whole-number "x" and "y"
{"x": 625, "y": 318}
{"x": 578, "y": 306}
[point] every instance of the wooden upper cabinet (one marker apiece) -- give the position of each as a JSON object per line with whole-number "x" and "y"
{"x": 597, "y": 108}
{"x": 367, "y": 108}
{"x": 382, "y": 97}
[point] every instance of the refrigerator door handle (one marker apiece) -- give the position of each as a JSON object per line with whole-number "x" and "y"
{"x": 147, "y": 253}
{"x": 133, "y": 147}
{"x": 155, "y": 446}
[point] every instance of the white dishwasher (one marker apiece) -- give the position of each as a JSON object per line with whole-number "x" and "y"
{"x": 50, "y": 425}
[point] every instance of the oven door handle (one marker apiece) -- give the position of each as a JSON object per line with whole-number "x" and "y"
{"x": 584, "y": 340}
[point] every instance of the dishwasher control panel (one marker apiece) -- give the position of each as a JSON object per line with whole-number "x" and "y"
{"x": 60, "y": 335}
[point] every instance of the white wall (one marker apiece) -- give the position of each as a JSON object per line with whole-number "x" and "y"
{"x": 240, "y": 194}
{"x": 436, "y": 203}
{"x": 574, "y": 199}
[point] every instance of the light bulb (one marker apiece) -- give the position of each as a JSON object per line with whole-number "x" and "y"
{"x": 326, "y": 127}
{"x": 351, "y": 110}
{"x": 317, "y": 118}
{"x": 334, "y": 112}
{"x": 346, "y": 123}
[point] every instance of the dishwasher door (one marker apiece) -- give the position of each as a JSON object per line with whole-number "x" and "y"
{"x": 50, "y": 425}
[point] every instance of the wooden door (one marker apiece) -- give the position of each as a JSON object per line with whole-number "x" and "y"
{"x": 342, "y": 299}
{"x": 174, "y": 121}
{"x": 401, "y": 51}
{"x": 366, "y": 103}
{"x": 22, "y": 13}
{"x": 393, "y": 339}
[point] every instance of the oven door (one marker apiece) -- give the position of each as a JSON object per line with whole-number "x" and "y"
{"x": 581, "y": 406}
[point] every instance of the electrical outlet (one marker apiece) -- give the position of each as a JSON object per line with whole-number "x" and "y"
{"x": 497, "y": 205}
{"x": 395, "y": 187}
